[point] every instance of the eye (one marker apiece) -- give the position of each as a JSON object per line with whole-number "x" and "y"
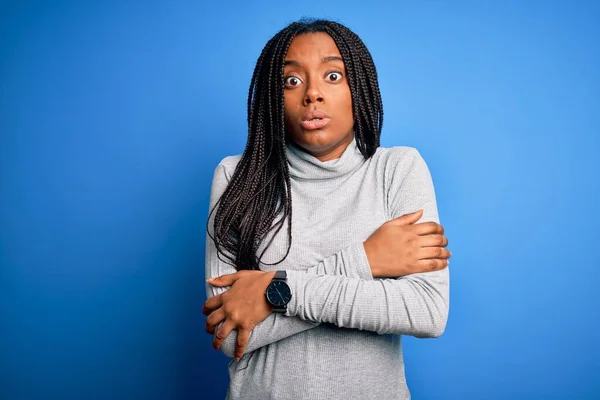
{"x": 334, "y": 76}
{"x": 292, "y": 81}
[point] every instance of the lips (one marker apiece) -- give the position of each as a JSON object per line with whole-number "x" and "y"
{"x": 315, "y": 119}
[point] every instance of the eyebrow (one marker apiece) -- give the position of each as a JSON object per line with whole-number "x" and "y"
{"x": 323, "y": 61}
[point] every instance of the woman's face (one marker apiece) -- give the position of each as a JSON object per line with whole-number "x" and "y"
{"x": 317, "y": 99}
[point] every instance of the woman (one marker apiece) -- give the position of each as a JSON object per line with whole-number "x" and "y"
{"x": 312, "y": 300}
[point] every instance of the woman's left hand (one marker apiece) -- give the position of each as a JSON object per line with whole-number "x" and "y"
{"x": 240, "y": 308}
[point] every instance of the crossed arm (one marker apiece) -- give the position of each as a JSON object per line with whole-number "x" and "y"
{"x": 340, "y": 290}
{"x": 349, "y": 262}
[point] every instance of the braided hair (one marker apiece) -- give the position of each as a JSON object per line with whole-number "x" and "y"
{"x": 257, "y": 200}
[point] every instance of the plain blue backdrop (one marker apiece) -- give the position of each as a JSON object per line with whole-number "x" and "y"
{"x": 114, "y": 114}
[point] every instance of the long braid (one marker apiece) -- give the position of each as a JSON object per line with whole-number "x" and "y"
{"x": 258, "y": 199}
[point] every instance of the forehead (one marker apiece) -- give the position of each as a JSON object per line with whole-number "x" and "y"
{"x": 312, "y": 46}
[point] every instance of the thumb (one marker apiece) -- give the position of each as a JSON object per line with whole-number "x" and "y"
{"x": 223, "y": 280}
{"x": 411, "y": 218}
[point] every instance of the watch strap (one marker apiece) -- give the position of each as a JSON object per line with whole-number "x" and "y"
{"x": 281, "y": 275}
{"x": 281, "y": 309}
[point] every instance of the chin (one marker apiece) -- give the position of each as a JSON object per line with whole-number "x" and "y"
{"x": 314, "y": 141}
{"x": 317, "y": 141}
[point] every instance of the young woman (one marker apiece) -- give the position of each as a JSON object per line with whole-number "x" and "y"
{"x": 323, "y": 248}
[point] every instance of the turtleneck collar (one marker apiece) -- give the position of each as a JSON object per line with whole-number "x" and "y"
{"x": 305, "y": 166}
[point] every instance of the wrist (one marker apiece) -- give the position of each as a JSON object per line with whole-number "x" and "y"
{"x": 269, "y": 275}
{"x": 266, "y": 277}
{"x": 370, "y": 253}
{"x": 278, "y": 293}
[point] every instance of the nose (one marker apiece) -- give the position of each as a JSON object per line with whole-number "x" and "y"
{"x": 313, "y": 94}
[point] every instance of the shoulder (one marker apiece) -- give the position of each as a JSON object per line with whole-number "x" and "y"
{"x": 398, "y": 159}
{"x": 229, "y": 163}
{"x": 227, "y": 166}
{"x": 402, "y": 167}
{"x": 222, "y": 176}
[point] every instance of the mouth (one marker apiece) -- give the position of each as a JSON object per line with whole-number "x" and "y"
{"x": 315, "y": 119}
{"x": 315, "y": 123}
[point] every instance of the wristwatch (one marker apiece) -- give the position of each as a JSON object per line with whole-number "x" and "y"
{"x": 278, "y": 292}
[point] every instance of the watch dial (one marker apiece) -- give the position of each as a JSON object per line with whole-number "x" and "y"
{"x": 279, "y": 293}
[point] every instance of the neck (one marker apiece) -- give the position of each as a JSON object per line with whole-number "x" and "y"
{"x": 332, "y": 153}
{"x": 304, "y": 165}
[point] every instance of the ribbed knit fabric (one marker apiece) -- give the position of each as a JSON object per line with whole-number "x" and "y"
{"x": 341, "y": 335}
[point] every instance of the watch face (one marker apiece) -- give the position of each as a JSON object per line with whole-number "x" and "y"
{"x": 279, "y": 293}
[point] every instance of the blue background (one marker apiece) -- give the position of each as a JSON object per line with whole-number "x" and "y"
{"x": 114, "y": 114}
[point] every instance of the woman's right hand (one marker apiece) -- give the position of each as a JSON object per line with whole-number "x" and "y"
{"x": 401, "y": 247}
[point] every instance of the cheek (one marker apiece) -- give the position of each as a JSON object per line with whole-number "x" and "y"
{"x": 287, "y": 113}
{"x": 290, "y": 106}
{"x": 346, "y": 100}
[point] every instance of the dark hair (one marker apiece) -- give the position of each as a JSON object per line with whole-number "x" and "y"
{"x": 257, "y": 200}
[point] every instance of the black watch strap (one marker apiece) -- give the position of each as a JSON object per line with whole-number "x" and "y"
{"x": 281, "y": 275}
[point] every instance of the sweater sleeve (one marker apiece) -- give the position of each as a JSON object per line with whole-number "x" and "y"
{"x": 350, "y": 261}
{"x": 415, "y": 305}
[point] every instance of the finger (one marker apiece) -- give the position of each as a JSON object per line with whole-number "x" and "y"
{"x": 223, "y": 280}
{"x": 214, "y": 319}
{"x": 212, "y": 304}
{"x": 428, "y": 228}
{"x": 243, "y": 337}
{"x": 222, "y": 332}
{"x": 434, "y": 252}
{"x": 432, "y": 264}
{"x": 433, "y": 240}
{"x": 411, "y": 218}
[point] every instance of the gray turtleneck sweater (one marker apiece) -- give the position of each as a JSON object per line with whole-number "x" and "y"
{"x": 341, "y": 336}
